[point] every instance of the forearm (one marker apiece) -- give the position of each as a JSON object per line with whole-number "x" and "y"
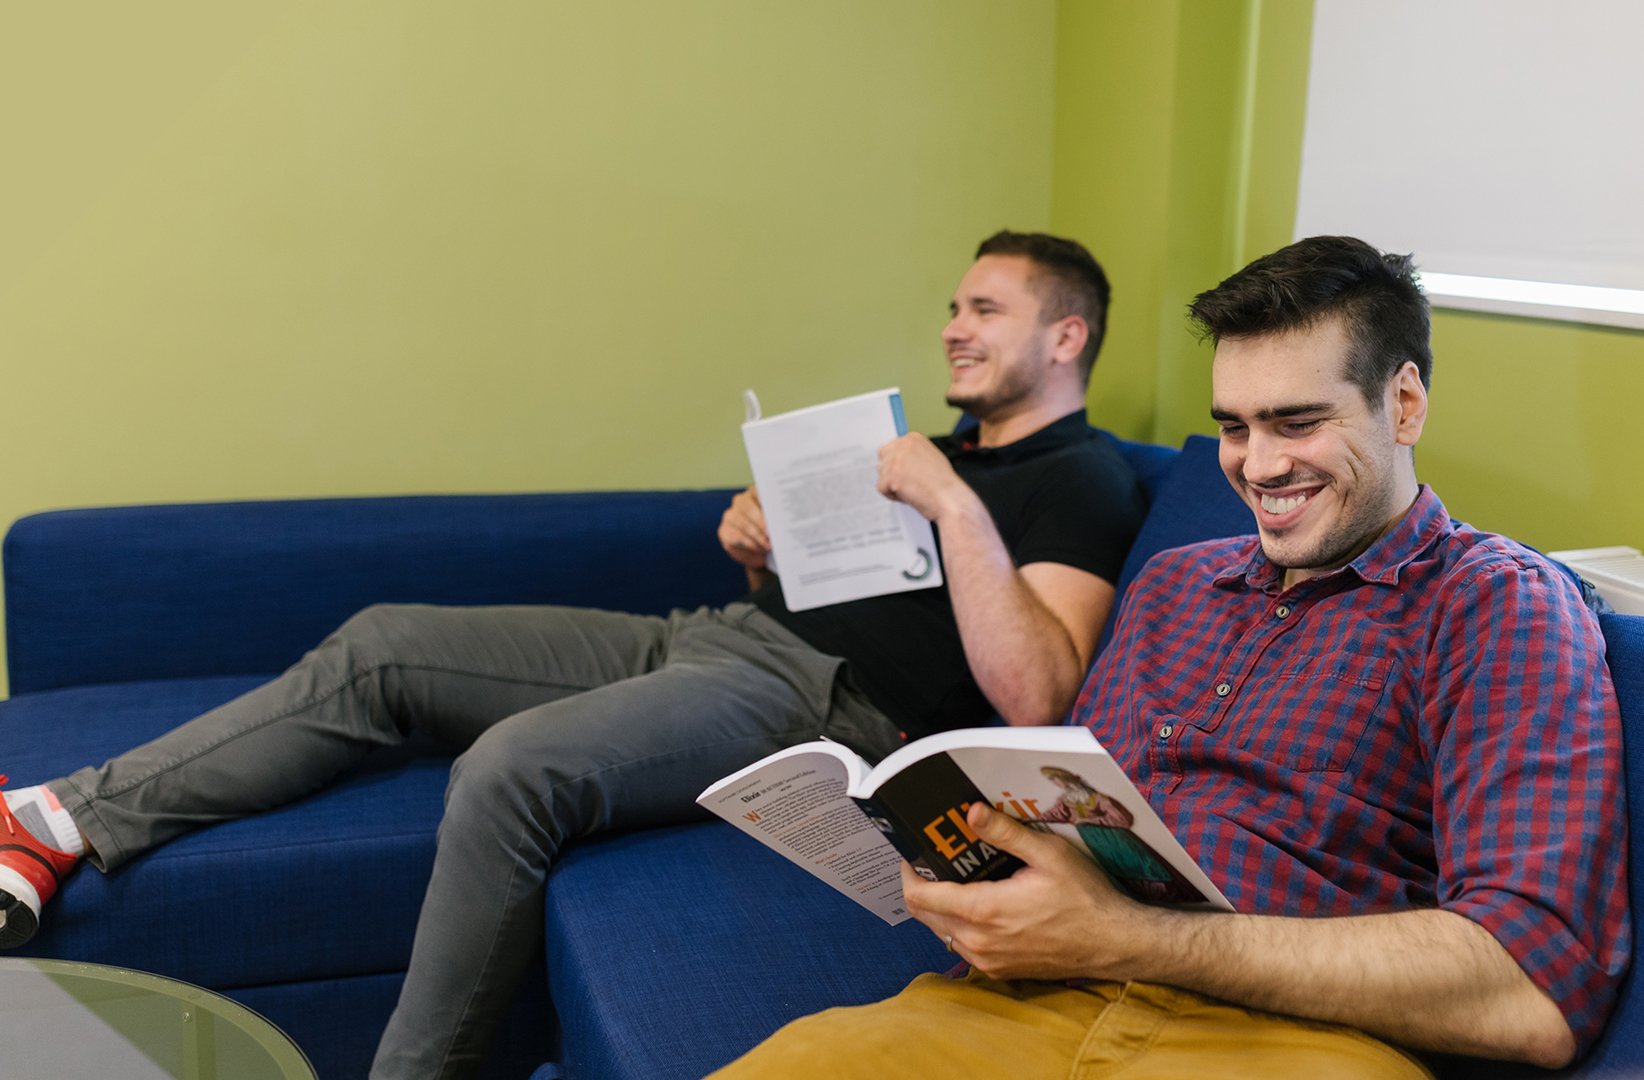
{"x": 1020, "y": 653}
{"x": 1427, "y": 979}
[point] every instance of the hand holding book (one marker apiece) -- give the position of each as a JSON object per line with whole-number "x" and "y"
{"x": 914, "y": 472}
{"x": 1058, "y": 917}
{"x": 743, "y": 536}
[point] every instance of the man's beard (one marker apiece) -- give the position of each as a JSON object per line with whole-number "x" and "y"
{"x": 1365, "y": 518}
{"x": 1016, "y": 382}
{"x": 1333, "y": 547}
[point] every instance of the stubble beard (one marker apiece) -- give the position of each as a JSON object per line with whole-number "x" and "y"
{"x": 1361, "y": 517}
{"x": 1015, "y": 383}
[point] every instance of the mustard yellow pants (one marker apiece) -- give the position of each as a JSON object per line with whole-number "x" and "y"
{"x": 976, "y": 1027}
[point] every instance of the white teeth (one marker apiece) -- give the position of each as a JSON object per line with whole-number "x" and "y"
{"x": 964, "y": 363}
{"x": 1282, "y": 506}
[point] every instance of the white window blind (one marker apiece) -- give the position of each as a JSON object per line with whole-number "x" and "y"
{"x": 1501, "y": 141}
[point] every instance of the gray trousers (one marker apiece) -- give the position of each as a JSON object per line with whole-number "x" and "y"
{"x": 570, "y": 721}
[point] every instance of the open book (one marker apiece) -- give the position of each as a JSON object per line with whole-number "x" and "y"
{"x": 820, "y": 805}
{"x": 834, "y": 537}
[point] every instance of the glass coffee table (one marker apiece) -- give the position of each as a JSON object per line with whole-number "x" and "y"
{"x": 63, "y": 1019}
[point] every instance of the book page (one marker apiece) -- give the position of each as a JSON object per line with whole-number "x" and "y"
{"x": 794, "y": 803}
{"x": 834, "y": 537}
{"x": 1085, "y": 797}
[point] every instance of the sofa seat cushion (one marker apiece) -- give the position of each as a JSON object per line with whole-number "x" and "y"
{"x": 326, "y": 887}
{"x": 673, "y": 951}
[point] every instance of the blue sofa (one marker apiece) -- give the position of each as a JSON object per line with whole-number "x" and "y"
{"x": 670, "y": 951}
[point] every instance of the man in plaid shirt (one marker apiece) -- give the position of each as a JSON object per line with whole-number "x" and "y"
{"x": 1388, "y": 737}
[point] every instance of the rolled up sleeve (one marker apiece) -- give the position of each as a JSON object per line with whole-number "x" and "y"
{"x": 1530, "y": 817}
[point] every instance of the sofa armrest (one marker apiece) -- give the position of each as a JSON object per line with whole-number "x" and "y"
{"x": 165, "y": 592}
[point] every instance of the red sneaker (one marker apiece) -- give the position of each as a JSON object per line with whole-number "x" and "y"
{"x": 30, "y": 871}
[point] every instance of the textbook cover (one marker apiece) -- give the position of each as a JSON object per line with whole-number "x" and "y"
{"x": 820, "y": 805}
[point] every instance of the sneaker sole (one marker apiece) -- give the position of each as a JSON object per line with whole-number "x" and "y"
{"x": 18, "y": 902}
{"x": 19, "y": 922}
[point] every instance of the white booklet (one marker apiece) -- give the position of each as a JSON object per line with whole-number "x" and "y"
{"x": 821, "y": 806}
{"x": 834, "y": 537}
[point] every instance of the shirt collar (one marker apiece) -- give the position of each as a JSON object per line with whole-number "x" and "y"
{"x": 1069, "y": 429}
{"x": 1381, "y": 563}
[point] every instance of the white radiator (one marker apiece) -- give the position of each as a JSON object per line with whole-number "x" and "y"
{"x": 1617, "y": 571}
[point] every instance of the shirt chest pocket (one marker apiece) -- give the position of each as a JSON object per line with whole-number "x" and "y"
{"x": 1313, "y": 714}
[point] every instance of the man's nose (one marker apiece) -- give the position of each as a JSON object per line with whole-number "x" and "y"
{"x": 1266, "y": 458}
{"x": 957, "y": 330}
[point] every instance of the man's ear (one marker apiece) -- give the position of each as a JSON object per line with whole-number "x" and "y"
{"x": 1408, "y": 400}
{"x": 1069, "y": 336}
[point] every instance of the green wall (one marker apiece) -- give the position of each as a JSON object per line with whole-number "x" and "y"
{"x": 295, "y": 249}
{"x": 1535, "y": 429}
{"x": 264, "y": 250}
{"x": 1178, "y": 143}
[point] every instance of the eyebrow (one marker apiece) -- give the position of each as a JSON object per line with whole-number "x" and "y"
{"x": 1278, "y": 412}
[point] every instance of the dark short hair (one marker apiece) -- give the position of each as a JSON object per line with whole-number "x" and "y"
{"x": 1068, "y": 281}
{"x": 1382, "y": 309}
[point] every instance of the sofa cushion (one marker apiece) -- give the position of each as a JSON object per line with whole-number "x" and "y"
{"x": 1195, "y": 503}
{"x": 170, "y": 592}
{"x": 326, "y": 887}
{"x": 673, "y": 951}
{"x": 1151, "y": 462}
{"x": 1621, "y": 1048}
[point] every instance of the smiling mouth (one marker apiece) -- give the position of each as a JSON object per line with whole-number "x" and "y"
{"x": 1284, "y": 506}
{"x": 963, "y": 362}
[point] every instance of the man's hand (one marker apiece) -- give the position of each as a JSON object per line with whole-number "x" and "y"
{"x": 742, "y": 535}
{"x": 913, "y": 471}
{"x": 1057, "y": 918}
{"x": 1426, "y": 978}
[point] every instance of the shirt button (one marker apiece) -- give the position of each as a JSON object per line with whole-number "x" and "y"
{"x": 1223, "y": 690}
{"x": 1283, "y": 612}
{"x": 1164, "y": 732}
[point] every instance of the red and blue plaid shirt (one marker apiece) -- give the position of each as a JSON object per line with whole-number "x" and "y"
{"x": 1432, "y": 725}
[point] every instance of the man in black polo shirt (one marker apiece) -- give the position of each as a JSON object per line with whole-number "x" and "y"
{"x": 1035, "y": 511}
{"x": 572, "y": 721}
{"x": 1060, "y": 499}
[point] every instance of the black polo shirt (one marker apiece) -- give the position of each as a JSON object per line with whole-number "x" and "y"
{"x": 1061, "y": 495}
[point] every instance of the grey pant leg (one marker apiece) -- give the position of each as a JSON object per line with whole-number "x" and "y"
{"x": 449, "y": 672}
{"x": 734, "y": 687}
